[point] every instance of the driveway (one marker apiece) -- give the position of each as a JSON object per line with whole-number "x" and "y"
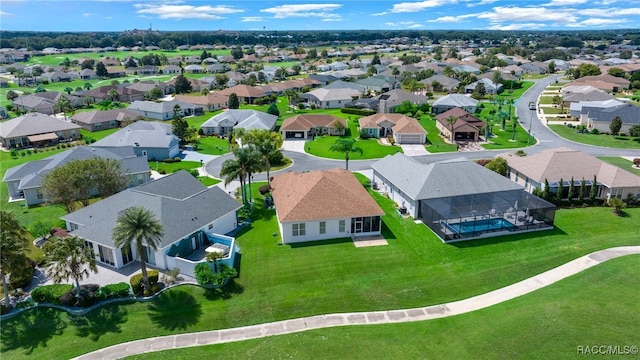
{"x": 414, "y": 150}
{"x": 190, "y": 155}
{"x": 294, "y": 145}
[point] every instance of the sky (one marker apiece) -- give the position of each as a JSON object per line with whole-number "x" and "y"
{"x": 183, "y": 15}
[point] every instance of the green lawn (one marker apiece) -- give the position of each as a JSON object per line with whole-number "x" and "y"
{"x": 620, "y": 142}
{"x": 553, "y": 110}
{"x": 279, "y": 282}
{"x": 546, "y": 100}
{"x": 621, "y": 163}
{"x": 371, "y": 149}
{"x": 516, "y": 93}
{"x": 207, "y": 181}
{"x": 547, "y": 324}
{"x": 435, "y": 143}
{"x": 173, "y": 167}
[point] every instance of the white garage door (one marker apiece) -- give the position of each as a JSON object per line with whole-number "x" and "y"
{"x": 410, "y": 139}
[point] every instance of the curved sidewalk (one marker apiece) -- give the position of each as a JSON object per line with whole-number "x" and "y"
{"x": 363, "y": 318}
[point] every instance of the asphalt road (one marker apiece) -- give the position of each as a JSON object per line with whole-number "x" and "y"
{"x": 545, "y": 139}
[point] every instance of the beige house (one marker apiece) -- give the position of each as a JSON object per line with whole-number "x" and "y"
{"x": 466, "y": 128}
{"x": 212, "y": 101}
{"x": 323, "y": 204}
{"x": 554, "y": 165}
{"x": 35, "y": 129}
{"x": 404, "y": 129}
{"x": 308, "y": 125}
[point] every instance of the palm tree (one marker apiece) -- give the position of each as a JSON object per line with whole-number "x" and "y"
{"x": 291, "y": 94}
{"x": 245, "y": 163}
{"x": 451, "y": 119}
{"x": 138, "y": 226}
{"x": 63, "y": 104}
{"x": 113, "y": 95}
{"x": 87, "y": 86}
{"x": 69, "y": 258}
{"x": 13, "y": 246}
{"x": 267, "y": 143}
{"x": 106, "y": 104}
{"x": 345, "y": 145}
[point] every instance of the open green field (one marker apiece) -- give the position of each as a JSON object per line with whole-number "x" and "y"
{"x": 621, "y": 142}
{"x": 280, "y": 282}
{"x": 59, "y": 58}
{"x": 516, "y": 93}
{"x": 549, "y": 323}
{"x": 622, "y": 163}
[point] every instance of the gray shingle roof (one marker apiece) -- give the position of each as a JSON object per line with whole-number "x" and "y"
{"x": 458, "y": 100}
{"x": 33, "y": 124}
{"x": 147, "y": 134}
{"x": 160, "y": 107}
{"x": 440, "y": 179}
{"x": 246, "y": 119}
{"x": 181, "y": 203}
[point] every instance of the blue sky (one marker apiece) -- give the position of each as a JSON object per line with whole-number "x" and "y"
{"x": 118, "y": 15}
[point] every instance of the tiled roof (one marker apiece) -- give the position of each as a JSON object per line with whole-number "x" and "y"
{"x": 305, "y": 122}
{"x": 321, "y": 194}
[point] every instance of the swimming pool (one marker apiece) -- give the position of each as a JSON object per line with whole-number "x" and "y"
{"x": 469, "y": 227}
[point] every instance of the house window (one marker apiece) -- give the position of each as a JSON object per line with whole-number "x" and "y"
{"x": 73, "y": 226}
{"x": 210, "y": 226}
{"x": 39, "y": 194}
{"x": 341, "y": 226}
{"x": 323, "y": 227}
{"x": 106, "y": 255}
{"x": 298, "y": 229}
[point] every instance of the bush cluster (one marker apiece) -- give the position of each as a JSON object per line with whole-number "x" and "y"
{"x": 50, "y": 293}
{"x": 171, "y": 160}
{"x": 354, "y": 111}
{"x": 21, "y": 276}
{"x": 137, "y": 285}
{"x": 87, "y": 296}
{"x": 112, "y": 291}
{"x": 264, "y": 189}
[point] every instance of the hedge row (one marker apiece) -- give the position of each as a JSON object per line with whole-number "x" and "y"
{"x": 354, "y": 111}
{"x": 137, "y": 284}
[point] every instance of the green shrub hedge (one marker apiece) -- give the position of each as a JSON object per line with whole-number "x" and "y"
{"x": 22, "y": 275}
{"x": 354, "y": 111}
{"x": 50, "y": 293}
{"x": 137, "y": 284}
{"x": 87, "y": 296}
{"x": 111, "y": 291}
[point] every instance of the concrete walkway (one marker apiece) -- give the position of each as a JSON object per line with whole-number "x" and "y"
{"x": 362, "y": 318}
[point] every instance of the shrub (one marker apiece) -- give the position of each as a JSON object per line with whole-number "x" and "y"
{"x": 22, "y": 275}
{"x": 25, "y": 304}
{"x": 201, "y": 132}
{"x": 595, "y": 131}
{"x": 521, "y": 153}
{"x": 276, "y": 158}
{"x": 483, "y": 162}
{"x": 636, "y": 161}
{"x": 50, "y": 293}
{"x": 313, "y": 106}
{"x": 364, "y": 134}
{"x": 264, "y": 189}
{"x": 119, "y": 290}
{"x": 162, "y": 171}
{"x": 176, "y": 159}
{"x": 88, "y": 296}
{"x": 137, "y": 284}
{"x": 194, "y": 173}
{"x": 364, "y": 112}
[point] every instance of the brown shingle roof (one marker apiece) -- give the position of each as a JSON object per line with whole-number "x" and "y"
{"x": 321, "y": 194}
{"x": 244, "y": 91}
{"x": 401, "y": 123}
{"x": 464, "y": 118}
{"x": 305, "y": 122}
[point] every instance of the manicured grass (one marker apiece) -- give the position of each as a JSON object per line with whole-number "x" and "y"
{"x": 622, "y": 163}
{"x": 516, "y": 93}
{"x": 279, "y": 282}
{"x": 97, "y": 135}
{"x": 597, "y": 140}
{"x": 213, "y": 145}
{"x": 371, "y": 149}
{"x": 553, "y": 110}
{"x": 546, "y": 100}
{"x": 435, "y": 143}
{"x": 505, "y": 331}
{"x": 207, "y": 181}
{"x": 173, "y": 167}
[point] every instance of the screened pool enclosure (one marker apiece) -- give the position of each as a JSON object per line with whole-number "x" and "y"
{"x": 470, "y": 216}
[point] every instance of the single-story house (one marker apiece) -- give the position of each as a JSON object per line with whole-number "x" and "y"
{"x": 224, "y": 122}
{"x": 172, "y": 69}
{"x": 151, "y": 139}
{"x": 597, "y": 117}
{"x": 35, "y": 129}
{"x": 324, "y": 98}
{"x": 459, "y": 199}
{"x": 163, "y": 110}
{"x": 441, "y": 83}
{"x": 246, "y": 94}
{"x": 404, "y": 129}
{"x": 490, "y": 87}
{"x": 125, "y": 93}
{"x": 554, "y": 165}
{"x": 323, "y": 204}
{"x": 376, "y": 83}
{"x": 466, "y": 128}
{"x": 44, "y": 102}
{"x": 149, "y": 85}
{"x": 394, "y": 98}
{"x": 211, "y": 102}
{"x": 193, "y": 216}
{"x": 96, "y": 120}
{"x": 25, "y": 181}
{"x": 194, "y": 69}
{"x": 306, "y": 125}
{"x": 451, "y": 101}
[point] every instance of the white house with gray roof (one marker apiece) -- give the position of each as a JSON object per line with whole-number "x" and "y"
{"x": 451, "y": 101}
{"x": 459, "y": 199}
{"x": 35, "y": 129}
{"x": 163, "y": 110}
{"x": 25, "y": 181}
{"x": 224, "y": 122}
{"x": 324, "y": 98}
{"x": 153, "y": 140}
{"x": 193, "y": 216}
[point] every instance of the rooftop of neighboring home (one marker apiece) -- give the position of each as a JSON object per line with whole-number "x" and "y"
{"x": 565, "y": 163}
{"x": 463, "y": 118}
{"x": 33, "y": 124}
{"x": 458, "y": 100}
{"x": 441, "y": 179}
{"x": 628, "y": 113}
{"x": 305, "y": 122}
{"x": 324, "y": 94}
{"x": 159, "y": 107}
{"x": 176, "y": 200}
{"x": 242, "y": 90}
{"x": 150, "y": 134}
{"x": 321, "y": 194}
{"x": 204, "y": 100}
{"x": 246, "y": 119}
{"x": 400, "y": 122}
{"x": 97, "y": 116}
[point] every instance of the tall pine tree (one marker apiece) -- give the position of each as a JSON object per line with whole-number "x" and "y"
{"x": 234, "y": 103}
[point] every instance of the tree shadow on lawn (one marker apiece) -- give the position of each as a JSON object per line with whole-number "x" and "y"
{"x": 508, "y": 238}
{"x": 387, "y": 233}
{"x": 225, "y": 292}
{"x": 173, "y": 310}
{"x": 32, "y": 329}
{"x": 99, "y": 322}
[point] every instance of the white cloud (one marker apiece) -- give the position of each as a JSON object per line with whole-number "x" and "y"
{"x": 251, "y": 19}
{"x": 610, "y": 12}
{"x": 595, "y": 22}
{"x": 411, "y": 7}
{"x": 565, "y": 2}
{"x": 502, "y": 14}
{"x": 518, "y": 26}
{"x": 2, "y": 13}
{"x": 88, "y": 14}
{"x": 405, "y": 25}
{"x": 179, "y": 12}
{"x": 483, "y": 2}
{"x": 451, "y": 19}
{"x": 324, "y": 11}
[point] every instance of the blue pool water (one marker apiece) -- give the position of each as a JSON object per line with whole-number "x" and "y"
{"x": 468, "y": 227}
